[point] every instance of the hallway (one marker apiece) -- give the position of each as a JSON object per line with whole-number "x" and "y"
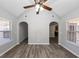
{"x": 38, "y": 51}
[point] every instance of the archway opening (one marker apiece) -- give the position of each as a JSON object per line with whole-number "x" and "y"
{"x": 53, "y": 32}
{"x": 23, "y": 32}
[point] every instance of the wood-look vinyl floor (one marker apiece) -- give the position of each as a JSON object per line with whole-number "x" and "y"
{"x": 38, "y": 51}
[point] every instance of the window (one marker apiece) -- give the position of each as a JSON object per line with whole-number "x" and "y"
{"x": 4, "y": 29}
{"x": 73, "y": 31}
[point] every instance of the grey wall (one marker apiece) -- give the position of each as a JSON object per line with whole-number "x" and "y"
{"x": 71, "y": 47}
{"x": 4, "y": 14}
{"x": 39, "y": 29}
{"x": 38, "y": 25}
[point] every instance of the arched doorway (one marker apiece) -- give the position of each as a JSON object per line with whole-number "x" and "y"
{"x": 23, "y": 32}
{"x": 53, "y": 32}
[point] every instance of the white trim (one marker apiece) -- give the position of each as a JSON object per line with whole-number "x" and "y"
{"x": 38, "y": 43}
{"x": 69, "y": 50}
{"x": 8, "y": 49}
{"x": 18, "y": 43}
{"x": 59, "y": 43}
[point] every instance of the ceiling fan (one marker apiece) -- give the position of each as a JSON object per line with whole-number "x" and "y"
{"x": 41, "y": 4}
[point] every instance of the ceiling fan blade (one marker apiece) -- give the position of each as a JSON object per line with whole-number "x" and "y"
{"x": 43, "y": 1}
{"x": 28, "y": 6}
{"x": 47, "y": 8}
{"x": 35, "y": 1}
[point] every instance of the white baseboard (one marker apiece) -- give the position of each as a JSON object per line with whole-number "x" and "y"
{"x": 59, "y": 43}
{"x": 18, "y": 43}
{"x": 38, "y": 43}
{"x": 69, "y": 50}
{"x": 8, "y": 49}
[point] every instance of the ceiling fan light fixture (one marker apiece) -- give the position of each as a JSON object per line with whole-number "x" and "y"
{"x": 37, "y": 7}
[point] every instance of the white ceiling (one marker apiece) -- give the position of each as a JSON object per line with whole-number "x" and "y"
{"x": 61, "y": 7}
